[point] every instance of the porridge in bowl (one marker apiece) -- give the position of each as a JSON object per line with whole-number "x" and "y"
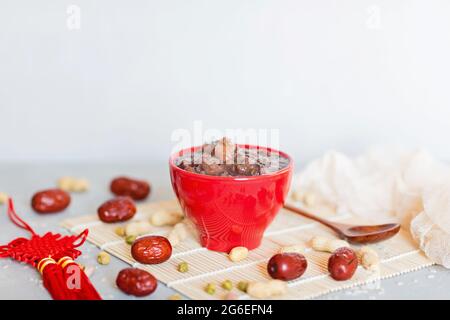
{"x": 224, "y": 158}
{"x": 230, "y": 192}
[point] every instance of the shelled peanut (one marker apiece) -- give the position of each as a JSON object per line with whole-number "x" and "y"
{"x": 3, "y": 198}
{"x": 266, "y": 289}
{"x": 296, "y": 248}
{"x": 71, "y": 184}
{"x": 178, "y": 233}
{"x": 137, "y": 228}
{"x": 324, "y": 244}
{"x": 368, "y": 258}
{"x": 308, "y": 198}
{"x": 238, "y": 254}
{"x": 166, "y": 218}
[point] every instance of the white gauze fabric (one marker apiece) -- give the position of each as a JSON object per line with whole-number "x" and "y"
{"x": 385, "y": 184}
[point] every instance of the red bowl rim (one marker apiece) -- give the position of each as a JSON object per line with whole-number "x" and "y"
{"x": 289, "y": 167}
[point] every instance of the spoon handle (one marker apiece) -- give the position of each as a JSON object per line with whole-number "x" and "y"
{"x": 305, "y": 213}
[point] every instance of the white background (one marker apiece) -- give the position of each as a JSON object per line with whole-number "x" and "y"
{"x": 343, "y": 74}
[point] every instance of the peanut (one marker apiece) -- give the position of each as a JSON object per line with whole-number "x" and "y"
{"x": 137, "y": 228}
{"x": 266, "y": 289}
{"x": 166, "y": 218}
{"x": 368, "y": 258}
{"x": 309, "y": 199}
{"x": 297, "y": 195}
{"x": 238, "y": 254}
{"x": 103, "y": 258}
{"x": 319, "y": 243}
{"x": 3, "y": 198}
{"x": 178, "y": 234}
{"x": 71, "y": 184}
{"x": 297, "y": 248}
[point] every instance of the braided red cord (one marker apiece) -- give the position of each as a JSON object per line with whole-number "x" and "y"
{"x": 16, "y": 219}
{"x": 38, "y": 247}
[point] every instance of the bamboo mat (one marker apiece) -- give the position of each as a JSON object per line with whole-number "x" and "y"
{"x": 398, "y": 255}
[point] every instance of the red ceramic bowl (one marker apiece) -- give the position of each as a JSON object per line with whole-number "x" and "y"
{"x": 230, "y": 211}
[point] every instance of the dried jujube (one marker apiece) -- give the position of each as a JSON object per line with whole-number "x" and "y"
{"x": 136, "y": 282}
{"x": 151, "y": 249}
{"x": 50, "y": 201}
{"x": 125, "y": 186}
{"x": 287, "y": 266}
{"x": 116, "y": 210}
{"x": 342, "y": 264}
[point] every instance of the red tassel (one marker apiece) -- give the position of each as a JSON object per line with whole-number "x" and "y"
{"x": 63, "y": 280}
{"x": 54, "y": 281}
{"x": 77, "y": 281}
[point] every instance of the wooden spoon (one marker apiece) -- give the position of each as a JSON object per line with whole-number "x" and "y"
{"x": 353, "y": 234}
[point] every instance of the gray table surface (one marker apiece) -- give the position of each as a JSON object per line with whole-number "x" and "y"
{"x": 18, "y": 281}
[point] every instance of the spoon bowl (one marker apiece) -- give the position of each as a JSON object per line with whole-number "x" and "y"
{"x": 370, "y": 234}
{"x": 353, "y": 234}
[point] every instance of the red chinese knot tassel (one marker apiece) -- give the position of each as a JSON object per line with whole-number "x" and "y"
{"x": 53, "y": 255}
{"x": 77, "y": 280}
